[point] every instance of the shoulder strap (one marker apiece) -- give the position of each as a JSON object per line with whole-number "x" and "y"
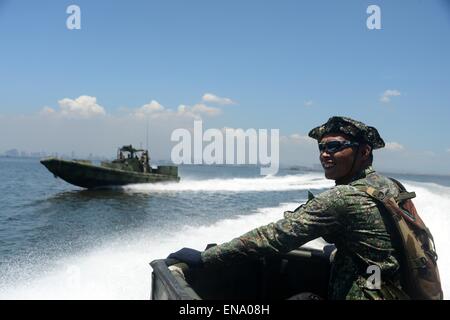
{"x": 404, "y": 195}
{"x": 392, "y": 204}
{"x": 389, "y": 202}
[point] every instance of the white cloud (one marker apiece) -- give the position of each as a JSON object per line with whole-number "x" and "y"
{"x": 47, "y": 111}
{"x": 182, "y": 108}
{"x": 295, "y": 136}
{"x": 83, "y": 106}
{"x": 153, "y": 109}
{"x": 448, "y": 150}
{"x": 386, "y": 96}
{"x": 297, "y": 139}
{"x": 153, "y": 106}
{"x": 186, "y": 112}
{"x": 394, "y": 146}
{"x": 308, "y": 103}
{"x": 212, "y": 98}
{"x": 202, "y": 108}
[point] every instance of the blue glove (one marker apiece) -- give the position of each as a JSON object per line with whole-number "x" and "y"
{"x": 191, "y": 257}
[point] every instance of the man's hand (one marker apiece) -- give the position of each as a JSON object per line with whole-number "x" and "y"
{"x": 191, "y": 257}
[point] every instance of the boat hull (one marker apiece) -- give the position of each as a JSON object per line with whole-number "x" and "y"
{"x": 278, "y": 277}
{"x": 90, "y": 176}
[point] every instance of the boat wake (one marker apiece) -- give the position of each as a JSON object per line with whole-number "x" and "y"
{"x": 260, "y": 184}
{"x": 119, "y": 269}
{"x": 433, "y": 203}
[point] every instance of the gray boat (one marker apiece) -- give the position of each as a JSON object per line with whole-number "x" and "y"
{"x": 131, "y": 166}
{"x": 279, "y": 277}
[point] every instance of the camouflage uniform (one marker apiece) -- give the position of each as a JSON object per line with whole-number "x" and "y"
{"x": 343, "y": 215}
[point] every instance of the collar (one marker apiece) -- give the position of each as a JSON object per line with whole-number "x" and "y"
{"x": 362, "y": 174}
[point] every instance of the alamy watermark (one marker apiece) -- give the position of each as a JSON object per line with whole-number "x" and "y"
{"x": 73, "y": 21}
{"x": 227, "y": 146}
{"x": 373, "y": 22}
{"x": 373, "y": 282}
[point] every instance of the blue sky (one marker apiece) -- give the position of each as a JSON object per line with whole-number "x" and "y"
{"x": 286, "y": 64}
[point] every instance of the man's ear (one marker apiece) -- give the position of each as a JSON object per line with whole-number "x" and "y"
{"x": 365, "y": 151}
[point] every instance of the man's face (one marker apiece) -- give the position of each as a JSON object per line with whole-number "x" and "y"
{"x": 337, "y": 165}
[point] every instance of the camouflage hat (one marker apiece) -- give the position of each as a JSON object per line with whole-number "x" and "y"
{"x": 358, "y": 130}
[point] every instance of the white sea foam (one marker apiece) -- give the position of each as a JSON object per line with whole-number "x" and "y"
{"x": 120, "y": 270}
{"x": 268, "y": 183}
{"x": 433, "y": 205}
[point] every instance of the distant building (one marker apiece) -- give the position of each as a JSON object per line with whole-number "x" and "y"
{"x": 12, "y": 153}
{"x": 41, "y": 154}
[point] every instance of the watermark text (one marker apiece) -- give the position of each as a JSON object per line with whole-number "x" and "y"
{"x": 228, "y": 146}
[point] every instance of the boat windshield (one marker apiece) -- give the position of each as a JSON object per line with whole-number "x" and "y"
{"x": 128, "y": 152}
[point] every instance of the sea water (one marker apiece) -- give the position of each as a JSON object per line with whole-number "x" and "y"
{"x": 58, "y": 241}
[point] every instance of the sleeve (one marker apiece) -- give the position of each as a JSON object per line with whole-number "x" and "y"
{"x": 318, "y": 217}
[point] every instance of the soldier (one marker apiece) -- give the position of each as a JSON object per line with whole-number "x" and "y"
{"x": 344, "y": 215}
{"x": 145, "y": 161}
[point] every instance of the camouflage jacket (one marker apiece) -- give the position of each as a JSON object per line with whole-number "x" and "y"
{"x": 343, "y": 215}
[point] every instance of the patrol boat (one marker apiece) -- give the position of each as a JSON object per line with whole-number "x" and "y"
{"x": 294, "y": 275}
{"x": 131, "y": 166}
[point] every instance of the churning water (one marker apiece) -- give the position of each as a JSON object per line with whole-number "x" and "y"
{"x": 61, "y": 242}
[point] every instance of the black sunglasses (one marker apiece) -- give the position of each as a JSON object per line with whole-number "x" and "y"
{"x": 335, "y": 146}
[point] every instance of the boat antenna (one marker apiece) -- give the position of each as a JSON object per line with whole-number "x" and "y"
{"x": 146, "y": 146}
